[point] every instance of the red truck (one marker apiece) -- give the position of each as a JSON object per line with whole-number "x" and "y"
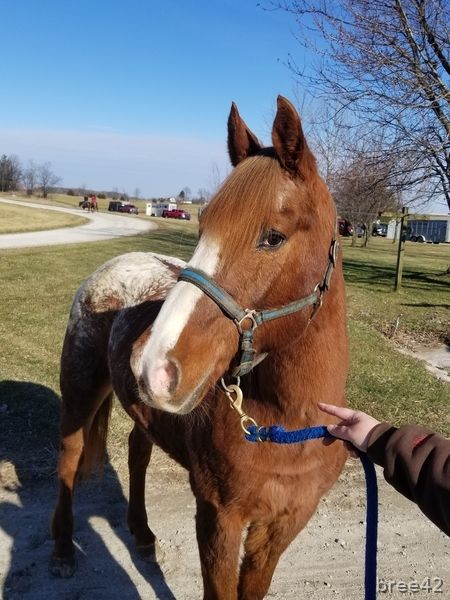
{"x": 176, "y": 214}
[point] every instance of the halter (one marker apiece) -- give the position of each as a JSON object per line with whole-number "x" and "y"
{"x": 255, "y": 318}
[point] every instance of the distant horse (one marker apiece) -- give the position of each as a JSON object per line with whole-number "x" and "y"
{"x": 86, "y": 205}
{"x": 264, "y": 293}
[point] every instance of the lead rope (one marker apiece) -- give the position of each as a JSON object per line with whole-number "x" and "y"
{"x": 278, "y": 435}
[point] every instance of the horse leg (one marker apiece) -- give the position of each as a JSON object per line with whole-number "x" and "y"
{"x": 62, "y": 562}
{"x": 264, "y": 544}
{"x": 139, "y": 453}
{"x": 219, "y": 537}
{"x": 83, "y": 435}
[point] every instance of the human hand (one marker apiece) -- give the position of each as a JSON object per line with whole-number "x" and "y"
{"x": 354, "y": 427}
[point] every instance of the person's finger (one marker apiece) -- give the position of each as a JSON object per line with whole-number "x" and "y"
{"x": 337, "y": 411}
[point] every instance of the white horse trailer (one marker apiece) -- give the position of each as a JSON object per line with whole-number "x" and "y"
{"x": 156, "y": 210}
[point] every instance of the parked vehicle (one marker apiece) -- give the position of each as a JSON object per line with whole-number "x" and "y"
{"x": 429, "y": 230}
{"x": 128, "y": 208}
{"x": 380, "y": 229}
{"x": 345, "y": 227}
{"x": 176, "y": 214}
{"x": 114, "y": 205}
{"x": 156, "y": 209}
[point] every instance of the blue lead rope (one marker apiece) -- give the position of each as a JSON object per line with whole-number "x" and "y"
{"x": 278, "y": 435}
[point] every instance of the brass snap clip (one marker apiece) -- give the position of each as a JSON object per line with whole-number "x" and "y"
{"x": 236, "y": 404}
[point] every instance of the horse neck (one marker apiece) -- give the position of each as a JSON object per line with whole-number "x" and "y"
{"x": 290, "y": 382}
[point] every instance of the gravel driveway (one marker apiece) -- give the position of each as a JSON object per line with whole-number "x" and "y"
{"x": 100, "y": 227}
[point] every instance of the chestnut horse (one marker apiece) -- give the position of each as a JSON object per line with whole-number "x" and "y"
{"x": 267, "y": 242}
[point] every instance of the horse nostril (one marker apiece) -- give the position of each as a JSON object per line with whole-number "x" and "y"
{"x": 163, "y": 379}
{"x": 171, "y": 370}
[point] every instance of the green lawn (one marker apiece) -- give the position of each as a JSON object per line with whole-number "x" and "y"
{"x": 422, "y": 304}
{"x": 19, "y": 219}
{"x": 38, "y": 286}
{"x": 383, "y": 382}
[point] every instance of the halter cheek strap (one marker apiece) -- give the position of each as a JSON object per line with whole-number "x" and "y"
{"x": 256, "y": 318}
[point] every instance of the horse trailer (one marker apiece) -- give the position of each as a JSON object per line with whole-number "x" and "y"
{"x": 429, "y": 230}
{"x": 156, "y": 209}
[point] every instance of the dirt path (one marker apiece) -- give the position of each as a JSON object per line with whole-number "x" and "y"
{"x": 101, "y": 226}
{"x": 326, "y": 560}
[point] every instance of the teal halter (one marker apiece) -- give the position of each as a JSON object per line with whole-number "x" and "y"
{"x": 257, "y": 317}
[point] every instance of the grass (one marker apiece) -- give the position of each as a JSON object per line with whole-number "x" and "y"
{"x": 38, "y": 286}
{"x": 19, "y": 219}
{"x": 423, "y": 302}
{"x": 391, "y": 386}
{"x": 383, "y": 382}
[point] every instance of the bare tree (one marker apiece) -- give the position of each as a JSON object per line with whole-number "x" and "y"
{"x": 389, "y": 64}
{"x": 335, "y": 141}
{"x": 362, "y": 193}
{"x": 203, "y": 195}
{"x": 217, "y": 177}
{"x": 46, "y": 178}
{"x": 29, "y": 177}
{"x": 10, "y": 173}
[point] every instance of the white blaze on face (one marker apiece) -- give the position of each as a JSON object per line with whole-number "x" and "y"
{"x": 171, "y": 321}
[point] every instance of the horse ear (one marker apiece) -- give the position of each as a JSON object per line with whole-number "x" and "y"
{"x": 289, "y": 141}
{"x": 241, "y": 141}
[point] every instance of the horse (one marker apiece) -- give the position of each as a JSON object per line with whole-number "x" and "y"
{"x": 258, "y": 312}
{"x": 87, "y": 205}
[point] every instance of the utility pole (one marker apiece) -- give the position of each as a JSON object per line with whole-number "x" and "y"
{"x": 401, "y": 249}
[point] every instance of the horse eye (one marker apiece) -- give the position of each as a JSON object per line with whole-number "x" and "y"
{"x": 271, "y": 239}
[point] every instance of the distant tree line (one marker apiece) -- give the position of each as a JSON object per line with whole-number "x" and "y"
{"x": 34, "y": 177}
{"x": 39, "y": 178}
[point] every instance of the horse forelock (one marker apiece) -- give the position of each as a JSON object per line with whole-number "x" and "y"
{"x": 244, "y": 203}
{"x": 254, "y": 192}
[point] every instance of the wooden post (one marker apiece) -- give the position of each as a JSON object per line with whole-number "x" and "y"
{"x": 401, "y": 249}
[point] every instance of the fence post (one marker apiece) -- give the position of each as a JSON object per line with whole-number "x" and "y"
{"x": 401, "y": 249}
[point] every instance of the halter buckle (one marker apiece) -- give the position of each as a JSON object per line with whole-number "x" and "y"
{"x": 249, "y": 314}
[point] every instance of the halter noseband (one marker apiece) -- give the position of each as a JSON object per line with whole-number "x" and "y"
{"x": 257, "y": 317}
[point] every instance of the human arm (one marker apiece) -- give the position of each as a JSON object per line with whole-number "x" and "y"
{"x": 415, "y": 460}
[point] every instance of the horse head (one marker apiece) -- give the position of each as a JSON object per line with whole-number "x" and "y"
{"x": 265, "y": 240}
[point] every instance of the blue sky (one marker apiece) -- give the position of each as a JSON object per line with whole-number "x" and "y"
{"x": 136, "y": 94}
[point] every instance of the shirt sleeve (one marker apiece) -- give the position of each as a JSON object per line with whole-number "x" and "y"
{"x": 416, "y": 463}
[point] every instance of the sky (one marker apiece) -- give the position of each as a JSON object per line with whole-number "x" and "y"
{"x": 136, "y": 94}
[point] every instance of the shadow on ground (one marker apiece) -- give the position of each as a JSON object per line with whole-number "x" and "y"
{"x": 28, "y": 453}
